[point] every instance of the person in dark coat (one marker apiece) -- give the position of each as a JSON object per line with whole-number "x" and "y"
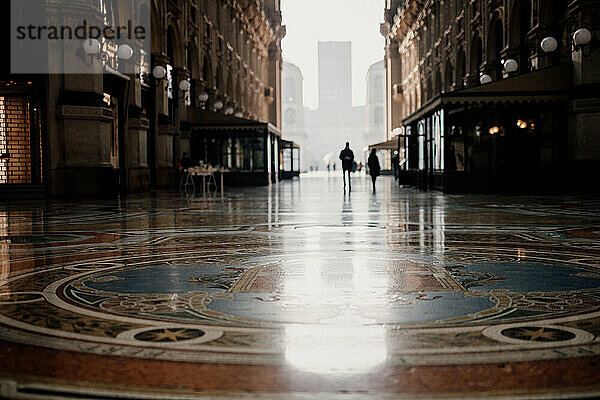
{"x": 347, "y": 157}
{"x": 374, "y": 167}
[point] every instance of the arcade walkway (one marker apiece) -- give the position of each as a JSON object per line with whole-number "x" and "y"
{"x": 298, "y": 291}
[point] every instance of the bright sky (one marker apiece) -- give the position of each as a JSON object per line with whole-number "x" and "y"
{"x": 311, "y": 21}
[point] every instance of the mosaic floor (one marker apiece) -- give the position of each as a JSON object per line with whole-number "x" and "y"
{"x": 300, "y": 291}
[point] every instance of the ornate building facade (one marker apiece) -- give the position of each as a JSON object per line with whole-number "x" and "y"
{"x": 208, "y": 83}
{"x": 498, "y": 94}
{"x": 293, "y": 111}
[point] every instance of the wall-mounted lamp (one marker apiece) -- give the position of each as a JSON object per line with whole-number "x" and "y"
{"x": 159, "y": 72}
{"x": 521, "y": 124}
{"x": 91, "y": 46}
{"x": 203, "y": 97}
{"x": 511, "y": 65}
{"x": 125, "y": 52}
{"x": 228, "y": 110}
{"x": 494, "y": 130}
{"x": 184, "y": 85}
{"x": 218, "y": 105}
{"x": 92, "y": 49}
{"x": 582, "y": 37}
{"x": 549, "y": 44}
{"x": 485, "y": 78}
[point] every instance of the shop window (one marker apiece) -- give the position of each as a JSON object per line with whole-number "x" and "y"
{"x": 296, "y": 160}
{"x": 15, "y": 141}
{"x": 421, "y": 144}
{"x": 286, "y": 160}
{"x": 438, "y": 141}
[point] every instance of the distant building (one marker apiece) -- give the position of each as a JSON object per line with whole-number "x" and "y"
{"x": 375, "y": 105}
{"x": 335, "y": 76}
{"x": 293, "y": 110}
{"x": 322, "y": 132}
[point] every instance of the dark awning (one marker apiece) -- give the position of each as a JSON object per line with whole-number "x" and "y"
{"x": 288, "y": 144}
{"x": 198, "y": 119}
{"x": 391, "y": 144}
{"x": 546, "y": 85}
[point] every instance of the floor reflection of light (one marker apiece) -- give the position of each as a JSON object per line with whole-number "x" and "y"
{"x": 335, "y": 349}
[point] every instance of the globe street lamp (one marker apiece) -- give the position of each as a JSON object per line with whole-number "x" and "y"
{"x": 582, "y": 37}
{"x": 549, "y": 44}
{"x": 159, "y": 72}
{"x": 125, "y": 52}
{"x": 485, "y": 78}
{"x": 511, "y": 65}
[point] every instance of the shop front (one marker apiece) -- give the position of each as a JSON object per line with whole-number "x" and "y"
{"x": 21, "y": 139}
{"x": 489, "y": 139}
{"x": 289, "y": 159}
{"x": 247, "y": 150}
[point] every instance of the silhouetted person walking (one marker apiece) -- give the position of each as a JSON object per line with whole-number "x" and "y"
{"x": 374, "y": 167}
{"x": 347, "y": 157}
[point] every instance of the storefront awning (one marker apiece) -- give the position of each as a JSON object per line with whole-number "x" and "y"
{"x": 391, "y": 144}
{"x": 546, "y": 85}
{"x": 205, "y": 120}
{"x": 288, "y": 144}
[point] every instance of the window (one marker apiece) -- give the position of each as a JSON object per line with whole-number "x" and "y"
{"x": 289, "y": 89}
{"x": 15, "y": 141}
{"x": 438, "y": 140}
{"x": 421, "y": 144}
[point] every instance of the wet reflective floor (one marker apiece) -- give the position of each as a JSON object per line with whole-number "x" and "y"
{"x": 300, "y": 290}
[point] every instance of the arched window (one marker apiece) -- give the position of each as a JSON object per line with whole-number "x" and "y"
{"x": 495, "y": 44}
{"x": 461, "y": 67}
{"x": 449, "y": 76}
{"x": 476, "y": 55}
{"x": 289, "y": 89}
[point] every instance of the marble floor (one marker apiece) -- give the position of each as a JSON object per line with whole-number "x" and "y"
{"x": 301, "y": 291}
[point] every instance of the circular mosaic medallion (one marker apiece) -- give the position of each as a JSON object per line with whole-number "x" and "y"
{"x": 415, "y": 309}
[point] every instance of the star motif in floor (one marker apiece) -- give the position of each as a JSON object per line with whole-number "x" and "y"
{"x": 538, "y": 334}
{"x": 169, "y": 335}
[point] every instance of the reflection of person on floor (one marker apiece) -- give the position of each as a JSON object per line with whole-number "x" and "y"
{"x": 396, "y": 165}
{"x": 347, "y": 157}
{"x": 374, "y": 167}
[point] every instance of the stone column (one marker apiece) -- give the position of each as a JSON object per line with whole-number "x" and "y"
{"x": 79, "y": 122}
{"x": 138, "y": 173}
